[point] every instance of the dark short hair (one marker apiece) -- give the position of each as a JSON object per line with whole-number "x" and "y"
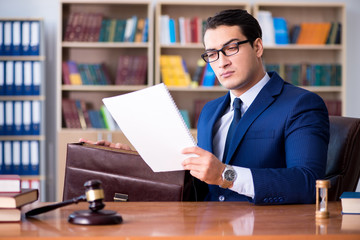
{"x": 236, "y": 17}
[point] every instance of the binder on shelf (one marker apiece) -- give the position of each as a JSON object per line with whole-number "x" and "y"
{"x": 2, "y": 171}
{"x": 35, "y": 38}
{"x": 27, "y": 81}
{"x": 16, "y": 38}
{"x": 9, "y": 78}
{"x": 36, "y": 77}
{"x": 16, "y": 157}
{"x": 1, "y": 37}
{"x": 25, "y": 38}
{"x": 7, "y": 38}
{"x": 18, "y": 76}
{"x": 25, "y": 183}
{"x": 35, "y": 117}
{"x": 9, "y": 118}
{"x": 2, "y": 118}
{"x": 26, "y": 117}
{"x": 2, "y": 77}
{"x": 25, "y": 158}
{"x": 7, "y": 157}
{"x": 18, "y": 117}
{"x": 34, "y": 158}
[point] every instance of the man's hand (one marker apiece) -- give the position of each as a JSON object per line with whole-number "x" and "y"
{"x": 107, "y": 144}
{"x": 205, "y": 167}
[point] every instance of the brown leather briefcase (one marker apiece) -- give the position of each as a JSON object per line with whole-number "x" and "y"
{"x": 125, "y": 176}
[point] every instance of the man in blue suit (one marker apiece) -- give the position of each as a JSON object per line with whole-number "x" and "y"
{"x": 278, "y": 140}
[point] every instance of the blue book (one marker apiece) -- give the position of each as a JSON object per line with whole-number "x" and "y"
{"x": 7, "y": 38}
{"x": 35, "y": 38}
{"x": 93, "y": 119}
{"x": 145, "y": 31}
{"x": 281, "y": 31}
{"x": 25, "y": 38}
{"x": 350, "y": 202}
{"x": 172, "y": 30}
{"x": 16, "y": 38}
{"x": 209, "y": 76}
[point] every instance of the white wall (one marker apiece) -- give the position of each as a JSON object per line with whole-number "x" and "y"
{"x": 49, "y": 10}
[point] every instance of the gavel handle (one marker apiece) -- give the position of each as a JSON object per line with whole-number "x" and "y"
{"x": 47, "y": 208}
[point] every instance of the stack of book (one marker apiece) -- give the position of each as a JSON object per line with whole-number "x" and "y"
{"x": 94, "y": 27}
{"x": 12, "y": 198}
{"x": 309, "y": 74}
{"x": 276, "y": 31}
{"x": 183, "y": 30}
{"x": 85, "y": 74}
{"x": 204, "y": 75}
{"x": 174, "y": 71}
{"x": 80, "y": 114}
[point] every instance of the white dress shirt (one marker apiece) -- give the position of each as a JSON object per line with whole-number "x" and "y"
{"x": 244, "y": 182}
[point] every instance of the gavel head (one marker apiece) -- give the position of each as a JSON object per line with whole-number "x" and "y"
{"x": 94, "y": 195}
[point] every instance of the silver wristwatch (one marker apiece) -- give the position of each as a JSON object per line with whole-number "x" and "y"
{"x": 229, "y": 176}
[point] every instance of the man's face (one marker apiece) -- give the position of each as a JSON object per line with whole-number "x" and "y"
{"x": 238, "y": 72}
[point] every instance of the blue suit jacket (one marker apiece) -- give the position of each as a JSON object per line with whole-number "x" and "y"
{"x": 282, "y": 137}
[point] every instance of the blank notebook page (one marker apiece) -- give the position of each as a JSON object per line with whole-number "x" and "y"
{"x": 153, "y": 124}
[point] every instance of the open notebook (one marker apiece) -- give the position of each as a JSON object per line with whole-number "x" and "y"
{"x": 151, "y": 121}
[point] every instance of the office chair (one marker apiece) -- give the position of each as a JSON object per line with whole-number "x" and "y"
{"x": 343, "y": 163}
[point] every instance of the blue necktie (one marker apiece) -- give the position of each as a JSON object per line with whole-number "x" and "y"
{"x": 237, "y": 115}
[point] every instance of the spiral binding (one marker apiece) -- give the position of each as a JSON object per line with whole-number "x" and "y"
{"x": 178, "y": 112}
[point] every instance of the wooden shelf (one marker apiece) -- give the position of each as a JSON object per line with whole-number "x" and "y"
{"x": 104, "y": 45}
{"x": 22, "y": 138}
{"x": 102, "y": 88}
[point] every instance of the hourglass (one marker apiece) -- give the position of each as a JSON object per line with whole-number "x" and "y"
{"x": 322, "y": 187}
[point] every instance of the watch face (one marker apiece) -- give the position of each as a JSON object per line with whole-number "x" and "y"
{"x": 229, "y": 175}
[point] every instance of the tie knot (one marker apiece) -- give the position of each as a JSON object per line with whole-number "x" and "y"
{"x": 237, "y": 103}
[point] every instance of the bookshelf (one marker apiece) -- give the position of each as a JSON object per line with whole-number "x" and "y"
{"x": 190, "y": 51}
{"x": 185, "y": 97}
{"x": 94, "y": 52}
{"x": 22, "y": 97}
{"x": 311, "y": 54}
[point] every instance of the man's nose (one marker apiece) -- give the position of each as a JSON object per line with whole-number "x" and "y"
{"x": 223, "y": 60}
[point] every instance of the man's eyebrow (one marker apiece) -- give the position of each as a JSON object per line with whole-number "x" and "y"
{"x": 226, "y": 43}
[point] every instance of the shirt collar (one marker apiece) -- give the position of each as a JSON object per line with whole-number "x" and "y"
{"x": 248, "y": 97}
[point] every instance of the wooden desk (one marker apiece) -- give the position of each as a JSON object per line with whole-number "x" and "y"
{"x": 189, "y": 220}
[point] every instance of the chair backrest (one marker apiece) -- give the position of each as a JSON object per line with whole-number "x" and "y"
{"x": 343, "y": 164}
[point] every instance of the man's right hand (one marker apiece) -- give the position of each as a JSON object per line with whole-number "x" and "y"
{"x": 107, "y": 144}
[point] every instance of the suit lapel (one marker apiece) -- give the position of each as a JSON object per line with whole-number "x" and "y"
{"x": 262, "y": 101}
{"x": 217, "y": 113}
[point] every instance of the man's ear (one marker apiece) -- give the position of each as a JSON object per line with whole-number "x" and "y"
{"x": 258, "y": 47}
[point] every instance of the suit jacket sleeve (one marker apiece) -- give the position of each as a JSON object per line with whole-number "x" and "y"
{"x": 305, "y": 141}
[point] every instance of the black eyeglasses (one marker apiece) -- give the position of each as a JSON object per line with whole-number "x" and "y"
{"x": 228, "y": 50}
